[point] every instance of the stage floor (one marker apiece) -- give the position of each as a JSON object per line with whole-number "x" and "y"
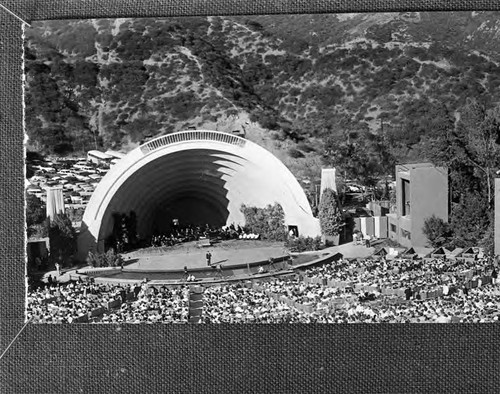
{"x": 169, "y": 264}
{"x": 227, "y": 253}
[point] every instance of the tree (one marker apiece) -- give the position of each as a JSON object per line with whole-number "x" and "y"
{"x": 475, "y": 143}
{"x": 437, "y": 231}
{"x": 330, "y": 216}
{"x": 471, "y": 151}
{"x": 360, "y": 155}
{"x": 470, "y": 220}
{"x": 35, "y": 210}
{"x": 480, "y": 142}
{"x": 36, "y": 220}
{"x": 62, "y": 237}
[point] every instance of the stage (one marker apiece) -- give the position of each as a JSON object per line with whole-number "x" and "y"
{"x": 230, "y": 254}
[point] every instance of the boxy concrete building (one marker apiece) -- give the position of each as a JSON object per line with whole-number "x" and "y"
{"x": 421, "y": 191}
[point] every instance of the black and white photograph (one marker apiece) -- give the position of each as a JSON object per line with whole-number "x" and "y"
{"x": 264, "y": 169}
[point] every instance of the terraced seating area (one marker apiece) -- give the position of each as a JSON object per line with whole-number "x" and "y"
{"x": 346, "y": 291}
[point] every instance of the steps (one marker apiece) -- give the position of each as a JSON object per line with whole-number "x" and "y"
{"x": 195, "y": 304}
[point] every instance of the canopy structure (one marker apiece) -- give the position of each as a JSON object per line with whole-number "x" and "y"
{"x": 197, "y": 177}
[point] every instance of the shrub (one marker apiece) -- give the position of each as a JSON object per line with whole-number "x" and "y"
{"x": 302, "y": 244}
{"x": 268, "y": 222}
{"x": 436, "y": 230}
{"x": 108, "y": 259}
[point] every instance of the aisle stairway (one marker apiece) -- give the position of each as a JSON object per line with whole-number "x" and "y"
{"x": 195, "y": 304}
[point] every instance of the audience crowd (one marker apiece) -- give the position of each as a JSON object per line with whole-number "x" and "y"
{"x": 235, "y": 303}
{"x": 415, "y": 276}
{"x": 153, "y": 306}
{"x": 267, "y": 303}
{"x": 346, "y": 291}
{"x": 89, "y": 302}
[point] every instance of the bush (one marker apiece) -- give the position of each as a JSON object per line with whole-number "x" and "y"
{"x": 108, "y": 259}
{"x": 268, "y": 222}
{"x": 303, "y": 244}
{"x": 437, "y": 231}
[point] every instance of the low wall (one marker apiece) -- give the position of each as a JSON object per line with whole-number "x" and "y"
{"x": 97, "y": 270}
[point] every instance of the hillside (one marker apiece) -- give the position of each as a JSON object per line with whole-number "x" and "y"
{"x": 291, "y": 83}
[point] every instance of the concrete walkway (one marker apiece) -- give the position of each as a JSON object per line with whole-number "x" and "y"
{"x": 63, "y": 278}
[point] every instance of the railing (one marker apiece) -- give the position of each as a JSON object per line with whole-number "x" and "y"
{"x": 195, "y": 135}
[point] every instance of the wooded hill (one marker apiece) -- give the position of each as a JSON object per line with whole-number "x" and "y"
{"x": 118, "y": 81}
{"x": 357, "y": 91}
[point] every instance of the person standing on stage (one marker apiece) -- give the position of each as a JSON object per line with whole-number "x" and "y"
{"x": 209, "y": 258}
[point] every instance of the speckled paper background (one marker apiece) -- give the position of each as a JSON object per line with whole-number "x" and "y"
{"x": 210, "y": 358}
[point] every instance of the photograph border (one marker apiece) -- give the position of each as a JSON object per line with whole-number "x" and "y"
{"x": 209, "y": 358}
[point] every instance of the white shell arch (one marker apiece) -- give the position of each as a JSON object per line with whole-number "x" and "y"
{"x": 220, "y": 171}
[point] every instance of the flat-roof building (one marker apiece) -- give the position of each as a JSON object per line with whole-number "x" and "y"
{"x": 421, "y": 191}
{"x": 98, "y": 157}
{"x": 55, "y": 201}
{"x": 114, "y": 154}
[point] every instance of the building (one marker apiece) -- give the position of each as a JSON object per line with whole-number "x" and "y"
{"x": 421, "y": 191}
{"x": 55, "y": 201}
{"x": 195, "y": 176}
{"x": 114, "y": 154}
{"x": 328, "y": 180}
{"x": 98, "y": 157}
